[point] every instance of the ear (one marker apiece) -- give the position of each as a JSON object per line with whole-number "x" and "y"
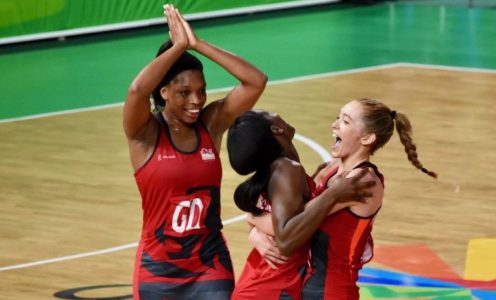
{"x": 368, "y": 139}
{"x": 164, "y": 93}
{"x": 276, "y": 130}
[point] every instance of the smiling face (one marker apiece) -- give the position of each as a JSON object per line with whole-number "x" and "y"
{"x": 185, "y": 96}
{"x": 351, "y": 140}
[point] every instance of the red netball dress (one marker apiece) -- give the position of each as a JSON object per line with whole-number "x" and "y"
{"x": 259, "y": 281}
{"x": 341, "y": 246}
{"x": 182, "y": 253}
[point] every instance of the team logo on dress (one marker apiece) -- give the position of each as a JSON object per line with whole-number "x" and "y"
{"x": 207, "y": 154}
{"x": 161, "y": 157}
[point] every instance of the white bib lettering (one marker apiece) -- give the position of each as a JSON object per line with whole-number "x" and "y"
{"x": 190, "y": 213}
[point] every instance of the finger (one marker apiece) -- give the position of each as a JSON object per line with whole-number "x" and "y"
{"x": 362, "y": 197}
{"x": 366, "y": 184}
{"x": 277, "y": 261}
{"x": 277, "y": 256}
{"x": 280, "y": 259}
{"x": 271, "y": 239}
{"x": 181, "y": 17}
{"x": 168, "y": 14}
{"x": 171, "y": 13}
{"x": 360, "y": 174}
{"x": 367, "y": 194}
{"x": 165, "y": 13}
{"x": 271, "y": 264}
{"x": 274, "y": 251}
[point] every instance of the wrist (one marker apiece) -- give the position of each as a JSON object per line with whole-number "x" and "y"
{"x": 332, "y": 196}
{"x": 179, "y": 47}
{"x": 198, "y": 45}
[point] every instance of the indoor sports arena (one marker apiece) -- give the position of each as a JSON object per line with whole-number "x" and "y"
{"x": 74, "y": 148}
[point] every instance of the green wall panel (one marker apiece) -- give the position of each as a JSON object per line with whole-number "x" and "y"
{"x": 21, "y": 17}
{"x": 94, "y": 70}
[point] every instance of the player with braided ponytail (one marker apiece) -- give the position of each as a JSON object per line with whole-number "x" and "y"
{"x": 343, "y": 243}
{"x": 379, "y": 119}
{"x": 261, "y": 143}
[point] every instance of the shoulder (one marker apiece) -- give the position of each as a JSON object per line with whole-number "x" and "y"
{"x": 328, "y": 167}
{"x": 285, "y": 171}
{"x": 371, "y": 174}
{"x": 287, "y": 184}
{"x": 148, "y": 133}
{"x": 373, "y": 203}
{"x": 213, "y": 113}
{"x": 284, "y": 164}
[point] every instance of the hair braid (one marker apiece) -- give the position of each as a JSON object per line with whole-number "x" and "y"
{"x": 404, "y": 129}
{"x": 379, "y": 119}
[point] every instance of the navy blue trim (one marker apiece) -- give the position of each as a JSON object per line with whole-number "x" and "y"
{"x": 212, "y": 289}
{"x": 166, "y": 128}
{"x": 361, "y": 217}
{"x": 368, "y": 164}
{"x": 363, "y": 165}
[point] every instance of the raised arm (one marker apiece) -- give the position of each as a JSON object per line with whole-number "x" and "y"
{"x": 136, "y": 114}
{"x": 219, "y": 115}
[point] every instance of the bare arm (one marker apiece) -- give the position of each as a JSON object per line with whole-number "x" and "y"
{"x": 293, "y": 227}
{"x": 136, "y": 114}
{"x": 374, "y": 202}
{"x": 361, "y": 208}
{"x": 219, "y": 115}
{"x": 263, "y": 222}
{"x": 266, "y": 245}
{"x": 139, "y": 125}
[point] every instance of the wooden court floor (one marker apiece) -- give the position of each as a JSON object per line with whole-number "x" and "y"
{"x": 67, "y": 189}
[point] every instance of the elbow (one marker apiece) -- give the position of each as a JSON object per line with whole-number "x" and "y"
{"x": 134, "y": 89}
{"x": 139, "y": 88}
{"x": 258, "y": 82}
{"x": 262, "y": 81}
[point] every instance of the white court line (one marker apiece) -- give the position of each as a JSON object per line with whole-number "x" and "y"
{"x": 273, "y": 82}
{"x": 448, "y": 68}
{"x": 69, "y": 257}
{"x": 319, "y": 149}
{"x": 225, "y": 89}
{"x": 94, "y": 253}
{"x": 316, "y": 147}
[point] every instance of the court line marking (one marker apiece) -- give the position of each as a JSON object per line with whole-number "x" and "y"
{"x": 219, "y": 90}
{"x": 313, "y": 145}
{"x": 273, "y": 82}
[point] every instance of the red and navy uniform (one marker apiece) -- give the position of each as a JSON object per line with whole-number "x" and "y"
{"x": 182, "y": 253}
{"x": 259, "y": 281}
{"x": 341, "y": 246}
